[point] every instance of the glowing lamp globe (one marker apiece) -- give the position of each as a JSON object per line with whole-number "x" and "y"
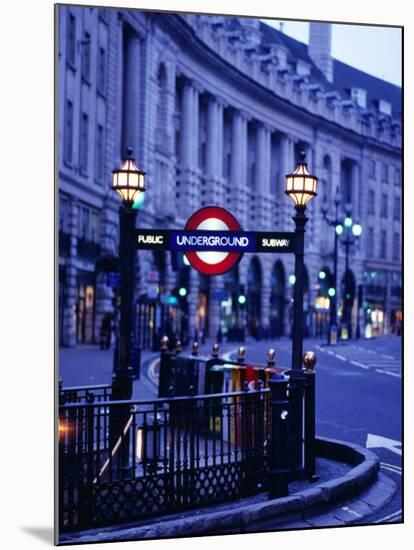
{"x": 128, "y": 181}
{"x": 301, "y": 184}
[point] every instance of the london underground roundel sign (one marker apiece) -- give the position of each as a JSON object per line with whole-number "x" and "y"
{"x": 213, "y": 218}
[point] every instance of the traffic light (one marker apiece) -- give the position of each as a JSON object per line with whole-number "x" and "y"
{"x": 242, "y": 299}
{"x": 182, "y": 291}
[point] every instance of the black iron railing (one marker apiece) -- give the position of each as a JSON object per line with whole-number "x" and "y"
{"x": 121, "y": 461}
{"x": 167, "y": 455}
{"x": 85, "y": 394}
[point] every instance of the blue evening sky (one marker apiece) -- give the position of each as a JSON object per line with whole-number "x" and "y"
{"x": 375, "y": 50}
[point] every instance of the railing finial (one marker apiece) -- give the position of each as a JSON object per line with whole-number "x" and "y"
{"x": 309, "y": 360}
{"x": 164, "y": 343}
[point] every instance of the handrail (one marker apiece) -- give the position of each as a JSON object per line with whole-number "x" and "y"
{"x": 81, "y": 388}
{"x": 116, "y": 447}
{"x": 165, "y": 399}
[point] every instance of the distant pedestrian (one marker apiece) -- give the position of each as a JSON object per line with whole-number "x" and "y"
{"x": 105, "y": 332}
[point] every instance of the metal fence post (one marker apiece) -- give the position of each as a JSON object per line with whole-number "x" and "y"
{"x": 278, "y": 458}
{"x": 309, "y": 360}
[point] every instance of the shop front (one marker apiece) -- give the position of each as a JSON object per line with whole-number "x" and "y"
{"x": 85, "y": 308}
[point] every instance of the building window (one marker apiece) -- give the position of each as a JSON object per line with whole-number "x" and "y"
{"x": 383, "y": 245}
{"x": 71, "y": 40}
{"x": 385, "y": 107}
{"x": 83, "y": 144}
{"x": 63, "y": 214}
{"x": 397, "y": 177}
{"x": 384, "y": 205}
{"x": 371, "y": 202}
{"x": 370, "y": 242}
{"x": 99, "y": 157}
{"x": 88, "y": 224}
{"x": 84, "y": 223}
{"x": 68, "y": 132}
{"x": 396, "y": 248}
{"x": 372, "y": 169}
{"x": 384, "y": 173}
{"x": 86, "y": 56}
{"x": 101, "y": 71}
{"x": 94, "y": 231}
{"x": 397, "y": 208}
{"x": 359, "y": 95}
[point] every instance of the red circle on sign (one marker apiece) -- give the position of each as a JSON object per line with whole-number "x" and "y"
{"x": 231, "y": 259}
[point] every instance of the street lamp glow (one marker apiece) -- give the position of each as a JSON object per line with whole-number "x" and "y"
{"x": 242, "y": 299}
{"x": 128, "y": 181}
{"x": 139, "y": 201}
{"x": 348, "y": 222}
{"x": 357, "y": 230}
{"x": 331, "y": 292}
{"x": 301, "y": 184}
{"x": 322, "y": 275}
{"x": 292, "y": 279}
{"x": 339, "y": 229}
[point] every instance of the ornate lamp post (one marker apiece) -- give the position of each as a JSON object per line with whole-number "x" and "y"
{"x": 334, "y": 222}
{"x": 301, "y": 188}
{"x": 352, "y": 232}
{"x": 129, "y": 182}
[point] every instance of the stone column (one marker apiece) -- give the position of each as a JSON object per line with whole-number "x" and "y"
{"x": 132, "y": 94}
{"x": 356, "y": 191}
{"x": 186, "y": 134}
{"x": 239, "y": 164}
{"x": 263, "y": 196}
{"x": 69, "y": 309}
{"x": 265, "y": 294}
{"x": 212, "y": 138}
{"x": 214, "y": 150}
{"x": 188, "y": 150}
{"x": 193, "y": 292}
{"x": 287, "y": 166}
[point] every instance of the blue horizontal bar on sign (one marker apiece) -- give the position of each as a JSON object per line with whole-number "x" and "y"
{"x": 212, "y": 241}
{"x": 206, "y": 241}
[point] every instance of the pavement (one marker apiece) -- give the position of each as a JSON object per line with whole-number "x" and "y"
{"x": 359, "y": 400}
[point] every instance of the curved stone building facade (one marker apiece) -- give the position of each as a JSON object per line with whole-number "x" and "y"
{"x": 217, "y": 110}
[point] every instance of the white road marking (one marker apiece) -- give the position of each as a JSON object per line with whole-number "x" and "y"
{"x": 387, "y": 356}
{"x": 388, "y": 373}
{"x": 151, "y": 371}
{"x": 347, "y": 509}
{"x": 395, "y": 516}
{"x": 341, "y": 357}
{"x": 378, "y": 441}
{"x": 358, "y": 364}
{"x": 391, "y": 466}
